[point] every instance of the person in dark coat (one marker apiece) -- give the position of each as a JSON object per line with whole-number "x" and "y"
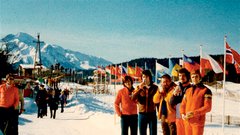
{"x": 53, "y": 101}
{"x": 62, "y": 100}
{"x": 41, "y": 101}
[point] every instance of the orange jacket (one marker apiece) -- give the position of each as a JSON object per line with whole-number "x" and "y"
{"x": 197, "y": 99}
{"x": 8, "y": 96}
{"x": 158, "y": 98}
{"x": 128, "y": 106}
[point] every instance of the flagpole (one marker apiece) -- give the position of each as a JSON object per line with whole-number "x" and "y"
{"x": 135, "y": 72}
{"x": 200, "y": 59}
{"x": 156, "y": 71}
{"x": 145, "y": 65}
{"x": 182, "y": 58}
{"x": 115, "y": 92}
{"x": 110, "y": 79}
{"x": 121, "y": 72}
{"x": 127, "y": 68}
{"x": 101, "y": 77}
{"x": 105, "y": 80}
{"x": 170, "y": 68}
{"x": 224, "y": 87}
{"x": 115, "y": 78}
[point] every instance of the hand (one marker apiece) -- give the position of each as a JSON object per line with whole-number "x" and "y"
{"x": 21, "y": 111}
{"x": 184, "y": 117}
{"x": 189, "y": 115}
{"x": 161, "y": 90}
{"x": 177, "y": 91}
{"x": 142, "y": 84}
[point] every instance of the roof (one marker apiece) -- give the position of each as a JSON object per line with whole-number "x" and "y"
{"x": 30, "y": 66}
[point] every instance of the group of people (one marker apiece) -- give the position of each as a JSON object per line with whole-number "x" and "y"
{"x": 181, "y": 107}
{"x": 12, "y": 103}
{"x": 50, "y": 98}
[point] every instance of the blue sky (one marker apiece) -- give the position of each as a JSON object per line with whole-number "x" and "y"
{"x": 121, "y": 30}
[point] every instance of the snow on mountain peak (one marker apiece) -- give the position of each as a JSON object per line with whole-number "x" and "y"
{"x": 25, "y": 47}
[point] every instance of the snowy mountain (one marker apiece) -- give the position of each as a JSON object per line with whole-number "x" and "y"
{"x": 23, "y": 49}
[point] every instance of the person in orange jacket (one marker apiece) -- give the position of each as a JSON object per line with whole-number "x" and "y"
{"x": 196, "y": 102}
{"x": 176, "y": 99}
{"x": 9, "y": 100}
{"x": 126, "y": 108}
{"x": 166, "y": 113}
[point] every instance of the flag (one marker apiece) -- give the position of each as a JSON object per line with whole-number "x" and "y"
{"x": 161, "y": 70}
{"x": 237, "y": 66}
{"x": 208, "y": 63}
{"x": 122, "y": 70}
{"x": 108, "y": 70}
{"x": 113, "y": 70}
{"x": 189, "y": 64}
{"x": 100, "y": 70}
{"x": 138, "y": 72}
{"x": 131, "y": 71}
{"x": 229, "y": 55}
{"x": 173, "y": 67}
{"x": 233, "y": 57}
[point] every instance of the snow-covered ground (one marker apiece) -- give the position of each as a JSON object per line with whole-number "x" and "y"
{"x": 91, "y": 114}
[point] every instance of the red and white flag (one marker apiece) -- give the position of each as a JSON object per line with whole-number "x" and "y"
{"x": 233, "y": 57}
{"x": 208, "y": 63}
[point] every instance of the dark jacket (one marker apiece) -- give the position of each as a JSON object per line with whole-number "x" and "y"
{"x": 178, "y": 98}
{"x": 53, "y": 102}
{"x": 145, "y": 98}
{"x": 41, "y": 98}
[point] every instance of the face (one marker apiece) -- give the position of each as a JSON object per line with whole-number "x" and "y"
{"x": 145, "y": 79}
{"x": 128, "y": 84}
{"x": 195, "y": 78}
{"x": 165, "y": 83}
{"x": 10, "y": 81}
{"x": 53, "y": 92}
{"x": 182, "y": 77}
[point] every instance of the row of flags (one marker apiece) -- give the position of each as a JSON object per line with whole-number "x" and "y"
{"x": 207, "y": 63}
{"x": 120, "y": 71}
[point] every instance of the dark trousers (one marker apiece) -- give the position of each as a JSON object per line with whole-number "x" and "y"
{"x": 129, "y": 121}
{"x": 147, "y": 119}
{"x": 53, "y": 113}
{"x": 7, "y": 120}
{"x": 62, "y": 106}
{"x": 169, "y": 128}
{"x": 40, "y": 112}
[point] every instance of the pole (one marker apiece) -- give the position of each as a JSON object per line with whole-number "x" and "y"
{"x": 182, "y": 58}
{"x": 110, "y": 76}
{"x": 135, "y": 73}
{"x": 156, "y": 71}
{"x": 145, "y": 66}
{"x": 127, "y": 68}
{"x": 121, "y": 72}
{"x": 224, "y": 87}
{"x": 170, "y": 66}
{"x": 200, "y": 60}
